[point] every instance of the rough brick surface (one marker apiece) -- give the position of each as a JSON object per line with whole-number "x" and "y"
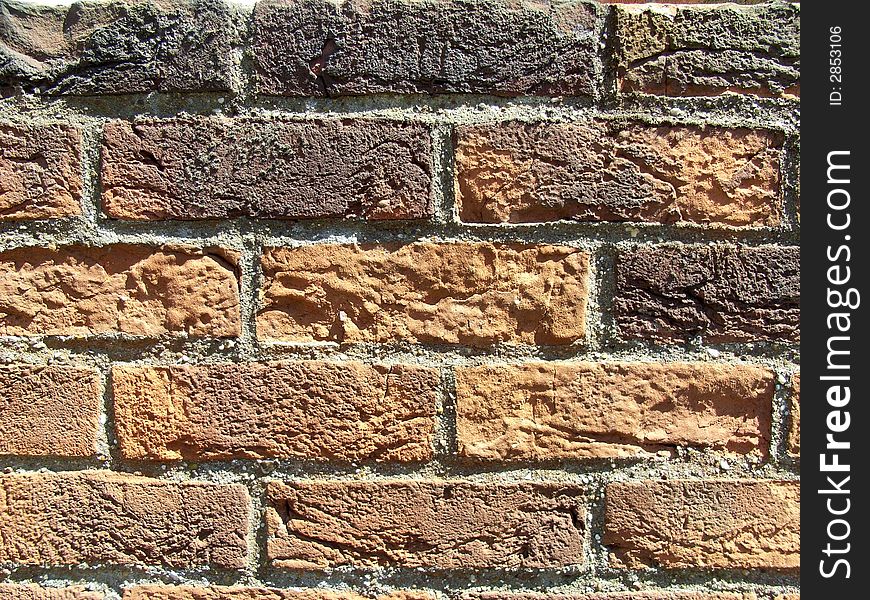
{"x": 473, "y": 294}
{"x": 609, "y": 171}
{"x": 134, "y": 290}
{"x": 722, "y": 293}
{"x": 49, "y": 410}
{"x": 589, "y": 410}
{"x": 312, "y": 410}
{"x": 316, "y": 48}
{"x": 701, "y": 51}
{"x": 40, "y": 171}
{"x": 210, "y": 168}
{"x": 426, "y": 524}
{"x": 794, "y": 431}
{"x": 736, "y": 524}
{"x": 28, "y": 591}
{"x": 645, "y": 595}
{"x": 117, "y": 47}
{"x": 98, "y": 517}
{"x": 215, "y": 592}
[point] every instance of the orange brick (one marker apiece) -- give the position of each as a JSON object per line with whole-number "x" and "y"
{"x": 605, "y": 410}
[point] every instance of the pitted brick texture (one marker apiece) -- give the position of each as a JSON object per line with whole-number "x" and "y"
{"x": 474, "y": 294}
{"x": 134, "y": 290}
{"x": 212, "y": 168}
{"x": 98, "y": 517}
{"x": 793, "y": 442}
{"x": 425, "y": 524}
{"x": 116, "y": 47}
{"x": 588, "y": 410}
{"x": 40, "y": 171}
{"x": 317, "y": 48}
{"x": 720, "y": 293}
{"x": 29, "y": 591}
{"x": 700, "y": 51}
{"x": 216, "y": 592}
{"x": 736, "y": 524}
{"x": 49, "y": 410}
{"x": 610, "y": 171}
{"x": 613, "y": 596}
{"x": 308, "y": 410}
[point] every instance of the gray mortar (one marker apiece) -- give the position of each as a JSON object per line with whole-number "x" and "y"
{"x": 248, "y": 236}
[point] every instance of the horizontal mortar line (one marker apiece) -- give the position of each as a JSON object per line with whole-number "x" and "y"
{"x": 98, "y": 350}
{"x": 588, "y": 474}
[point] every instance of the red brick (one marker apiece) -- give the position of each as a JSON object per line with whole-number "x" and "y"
{"x": 49, "y": 410}
{"x": 474, "y": 294}
{"x": 644, "y": 595}
{"x": 98, "y": 517}
{"x": 309, "y": 410}
{"x": 613, "y": 171}
{"x": 28, "y": 591}
{"x": 603, "y": 410}
{"x": 133, "y": 290}
{"x": 716, "y": 524}
{"x": 40, "y": 171}
{"x": 216, "y": 592}
{"x": 424, "y": 524}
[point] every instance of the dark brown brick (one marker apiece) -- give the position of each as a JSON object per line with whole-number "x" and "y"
{"x": 708, "y": 50}
{"x": 211, "y": 168}
{"x": 317, "y": 47}
{"x": 98, "y": 517}
{"x": 721, "y": 293}
{"x": 425, "y": 524}
{"x": 116, "y": 47}
{"x": 312, "y": 410}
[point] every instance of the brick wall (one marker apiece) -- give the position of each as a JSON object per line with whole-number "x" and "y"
{"x": 393, "y": 299}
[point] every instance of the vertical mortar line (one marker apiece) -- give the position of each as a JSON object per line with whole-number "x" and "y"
{"x": 779, "y": 417}
{"x": 445, "y": 426}
{"x": 241, "y": 75}
{"x": 258, "y": 561}
{"x": 790, "y": 184}
{"x": 444, "y": 198}
{"x": 607, "y": 93}
{"x": 92, "y": 140}
{"x": 602, "y": 297}
{"x": 251, "y": 279}
{"x": 596, "y": 553}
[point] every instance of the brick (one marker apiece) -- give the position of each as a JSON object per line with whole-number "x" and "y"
{"x": 116, "y": 47}
{"x": 104, "y": 518}
{"x": 28, "y": 591}
{"x": 719, "y": 524}
{"x": 49, "y": 411}
{"x": 40, "y": 171}
{"x": 216, "y": 592}
{"x": 474, "y": 294}
{"x": 134, "y": 290}
{"x": 319, "y": 48}
{"x": 788, "y": 597}
{"x": 721, "y": 293}
{"x": 794, "y": 431}
{"x": 307, "y": 410}
{"x": 424, "y": 524}
{"x": 218, "y": 167}
{"x": 701, "y": 51}
{"x": 609, "y": 171}
{"x": 644, "y": 595}
{"x": 610, "y": 410}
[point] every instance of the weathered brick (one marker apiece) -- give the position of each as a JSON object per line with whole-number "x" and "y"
{"x": 134, "y": 290}
{"x": 98, "y": 517}
{"x": 216, "y": 592}
{"x": 719, "y": 524}
{"x": 788, "y": 597}
{"x": 40, "y": 171}
{"x": 311, "y": 410}
{"x": 610, "y": 171}
{"x": 794, "y": 431}
{"x": 601, "y": 410}
{"x": 424, "y": 524}
{"x": 700, "y": 50}
{"x": 474, "y": 294}
{"x": 49, "y": 410}
{"x": 218, "y": 167}
{"x": 29, "y": 591}
{"x": 721, "y": 293}
{"x": 118, "y": 47}
{"x": 319, "y": 48}
{"x": 644, "y": 595}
